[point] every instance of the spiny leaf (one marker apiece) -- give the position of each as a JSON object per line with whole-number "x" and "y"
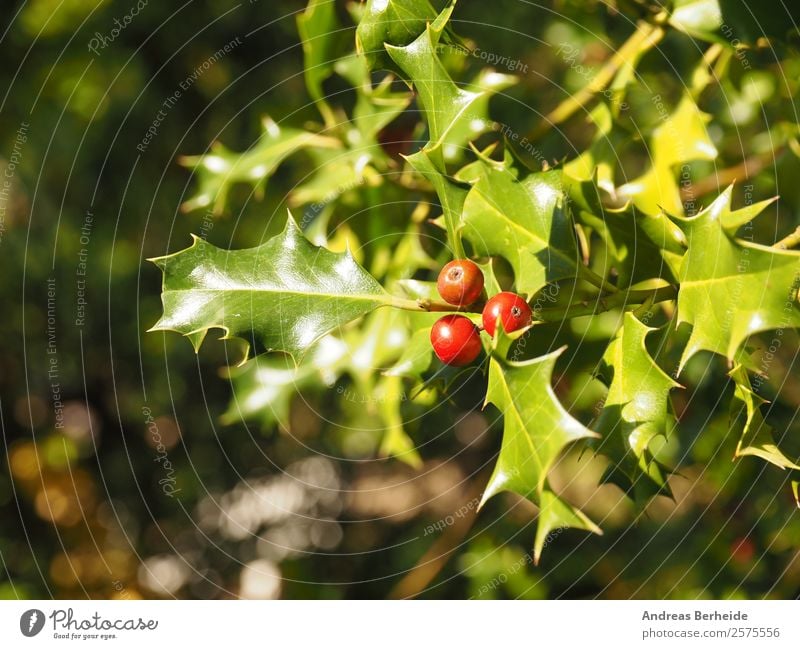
{"x": 454, "y": 115}
{"x": 635, "y": 412}
{"x": 390, "y": 396}
{"x": 639, "y": 244}
{"x": 536, "y": 430}
{"x": 218, "y": 170}
{"x": 451, "y": 196}
{"x": 731, "y": 289}
{"x": 282, "y": 295}
{"x": 263, "y": 387}
{"x": 525, "y": 220}
{"x": 681, "y": 137}
{"x": 391, "y": 22}
{"x": 318, "y": 27}
{"x": 555, "y": 515}
{"x": 757, "y": 438}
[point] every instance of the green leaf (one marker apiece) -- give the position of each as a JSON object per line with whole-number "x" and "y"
{"x": 396, "y": 442}
{"x": 554, "y": 516}
{"x": 393, "y": 22}
{"x": 681, "y": 137}
{"x": 731, "y": 289}
{"x": 451, "y": 196}
{"x": 524, "y": 220}
{"x": 471, "y": 125}
{"x": 635, "y": 412}
{"x": 454, "y": 115}
{"x": 416, "y": 358}
{"x": 696, "y": 16}
{"x": 318, "y": 29}
{"x": 536, "y": 430}
{"x": 218, "y": 170}
{"x": 282, "y": 295}
{"x": 757, "y": 438}
{"x": 637, "y": 243}
{"x": 263, "y": 387}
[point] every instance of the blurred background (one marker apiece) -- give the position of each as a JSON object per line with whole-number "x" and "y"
{"x": 122, "y": 478}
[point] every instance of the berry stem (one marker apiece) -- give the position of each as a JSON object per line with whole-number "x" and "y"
{"x": 425, "y": 305}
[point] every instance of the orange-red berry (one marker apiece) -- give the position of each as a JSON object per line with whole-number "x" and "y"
{"x": 510, "y": 309}
{"x": 460, "y": 282}
{"x": 455, "y": 340}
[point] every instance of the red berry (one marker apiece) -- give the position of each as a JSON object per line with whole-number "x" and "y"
{"x": 460, "y": 282}
{"x": 512, "y": 310}
{"x": 455, "y": 340}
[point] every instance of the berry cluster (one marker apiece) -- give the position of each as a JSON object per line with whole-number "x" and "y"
{"x": 455, "y": 339}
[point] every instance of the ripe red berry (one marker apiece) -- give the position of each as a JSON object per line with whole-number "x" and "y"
{"x": 455, "y": 340}
{"x": 460, "y": 282}
{"x": 510, "y": 308}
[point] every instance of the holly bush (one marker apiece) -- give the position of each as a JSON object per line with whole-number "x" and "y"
{"x": 656, "y": 295}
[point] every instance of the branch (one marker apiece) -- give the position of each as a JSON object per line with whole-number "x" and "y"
{"x": 719, "y": 180}
{"x": 623, "y": 298}
{"x": 437, "y": 556}
{"x": 646, "y": 36}
{"x": 789, "y": 241}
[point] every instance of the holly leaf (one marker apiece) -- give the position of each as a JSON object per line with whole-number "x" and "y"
{"x": 263, "y": 387}
{"x": 524, "y": 220}
{"x": 451, "y": 195}
{"x": 536, "y": 430}
{"x": 220, "y": 169}
{"x": 639, "y": 245}
{"x": 455, "y": 115}
{"x": 729, "y": 288}
{"x": 390, "y": 395}
{"x": 283, "y": 295}
{"x": 391, "y": 22}
{"x": 318, "y": 28}
{"x": 681, "y": 137}
{"x": 757, "y": 437}
{"x": 416, "y": 358}
{"x": 555, "y": 515}
{"x": 636, "y": 411}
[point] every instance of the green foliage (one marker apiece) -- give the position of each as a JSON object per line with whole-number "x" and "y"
{"x": 536, "y": 431}
{"x": 601, "y": 245}
{"x": 731, "y": 289}
{"x": 218, "y": 170}
{"x": 524, "y": 220}
{"x": 283, "y": 295}
{"x": 636, "y": 412}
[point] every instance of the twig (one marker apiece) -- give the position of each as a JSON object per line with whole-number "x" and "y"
{"x": 721, "y": 179}
{"x": 645, "y": 37}
{"x": 623, "y": 298}
{"x": 789, "y": 241}
{"x": 437, "y": 556}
